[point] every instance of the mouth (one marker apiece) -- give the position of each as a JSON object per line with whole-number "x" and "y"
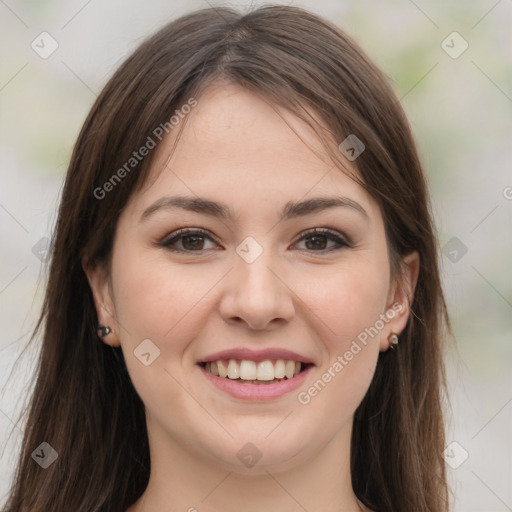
{"x": 255, "y": 380}
{"x": 255, "y": 372}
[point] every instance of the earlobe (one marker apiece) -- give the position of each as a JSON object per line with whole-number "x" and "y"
{"x": 97, "y": 277}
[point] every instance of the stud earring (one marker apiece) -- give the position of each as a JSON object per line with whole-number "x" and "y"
{"x": 393, "y": 340}
{"x": 103, "y": 330}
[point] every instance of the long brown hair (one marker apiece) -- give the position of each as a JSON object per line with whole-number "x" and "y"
{"x": 84, "y": 404}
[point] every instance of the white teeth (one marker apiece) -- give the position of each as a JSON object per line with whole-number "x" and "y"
{"x": 233, "y": 369}
{"x": 265, "y": 370}
{"x": 290, "y": 369}
{"x": 248, "y": 370}
{"x": 223, "y": 369}
{"x": 254, "y": 371}
{"x": 279, "y": 369}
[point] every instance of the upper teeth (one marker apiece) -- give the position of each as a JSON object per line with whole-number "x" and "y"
{"x": 251, "y": 370}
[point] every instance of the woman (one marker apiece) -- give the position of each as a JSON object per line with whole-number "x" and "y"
{"x": 244, "y": 309}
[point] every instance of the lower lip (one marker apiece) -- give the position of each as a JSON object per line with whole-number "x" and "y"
{"x": 256, "y": 392}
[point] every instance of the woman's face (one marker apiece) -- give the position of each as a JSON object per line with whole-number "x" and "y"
{"x": 255, "y": 287}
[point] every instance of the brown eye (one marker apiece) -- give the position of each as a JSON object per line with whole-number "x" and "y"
{"x": 189, "y": 240}
{"x": 316, "y": 240}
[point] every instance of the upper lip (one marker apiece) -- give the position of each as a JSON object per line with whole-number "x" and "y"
{"x": 256, "y": 355}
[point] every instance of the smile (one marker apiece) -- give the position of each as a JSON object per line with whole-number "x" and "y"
{"x": 255, "y": 381}
{"x": 253, "y": 372}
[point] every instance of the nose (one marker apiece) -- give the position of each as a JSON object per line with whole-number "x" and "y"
{"x": 256, "y": 294}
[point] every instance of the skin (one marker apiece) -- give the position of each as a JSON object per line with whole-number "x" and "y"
{"x": 314, "y": 300}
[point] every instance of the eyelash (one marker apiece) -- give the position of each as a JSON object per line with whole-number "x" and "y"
{"x": 183, "y": 233}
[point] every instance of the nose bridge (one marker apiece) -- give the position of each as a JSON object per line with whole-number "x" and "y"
{"x": 252, "y": 268}
{"x": 256, "y": 293}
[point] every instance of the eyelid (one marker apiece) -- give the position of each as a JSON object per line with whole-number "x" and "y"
{"x": 182, "y": 232}
{"x": 333, "y": 235}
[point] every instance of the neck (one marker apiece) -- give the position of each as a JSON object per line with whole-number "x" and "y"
{"x": 181, "y": 481}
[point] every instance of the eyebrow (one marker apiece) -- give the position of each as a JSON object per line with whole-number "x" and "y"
{"x": 222, "y": 211}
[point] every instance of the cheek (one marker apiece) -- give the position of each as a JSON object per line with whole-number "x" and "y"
{"x": 348, "y": 304}
{"x": 157, "y": 301}
{"x": 154, "y": 297}
{"x": 347, "y": 299}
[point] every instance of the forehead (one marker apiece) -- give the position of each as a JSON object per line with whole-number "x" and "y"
{"x": 237, "y": 146}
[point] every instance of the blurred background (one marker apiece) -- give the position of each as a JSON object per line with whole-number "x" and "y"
{"x": 450, "y": 65}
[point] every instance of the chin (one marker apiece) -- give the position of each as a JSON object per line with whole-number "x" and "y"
{"x": 253, "y": 452}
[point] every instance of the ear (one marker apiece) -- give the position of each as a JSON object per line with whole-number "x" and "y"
{"x": 98, "y": 278}
{"x": 400, "y": 298}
